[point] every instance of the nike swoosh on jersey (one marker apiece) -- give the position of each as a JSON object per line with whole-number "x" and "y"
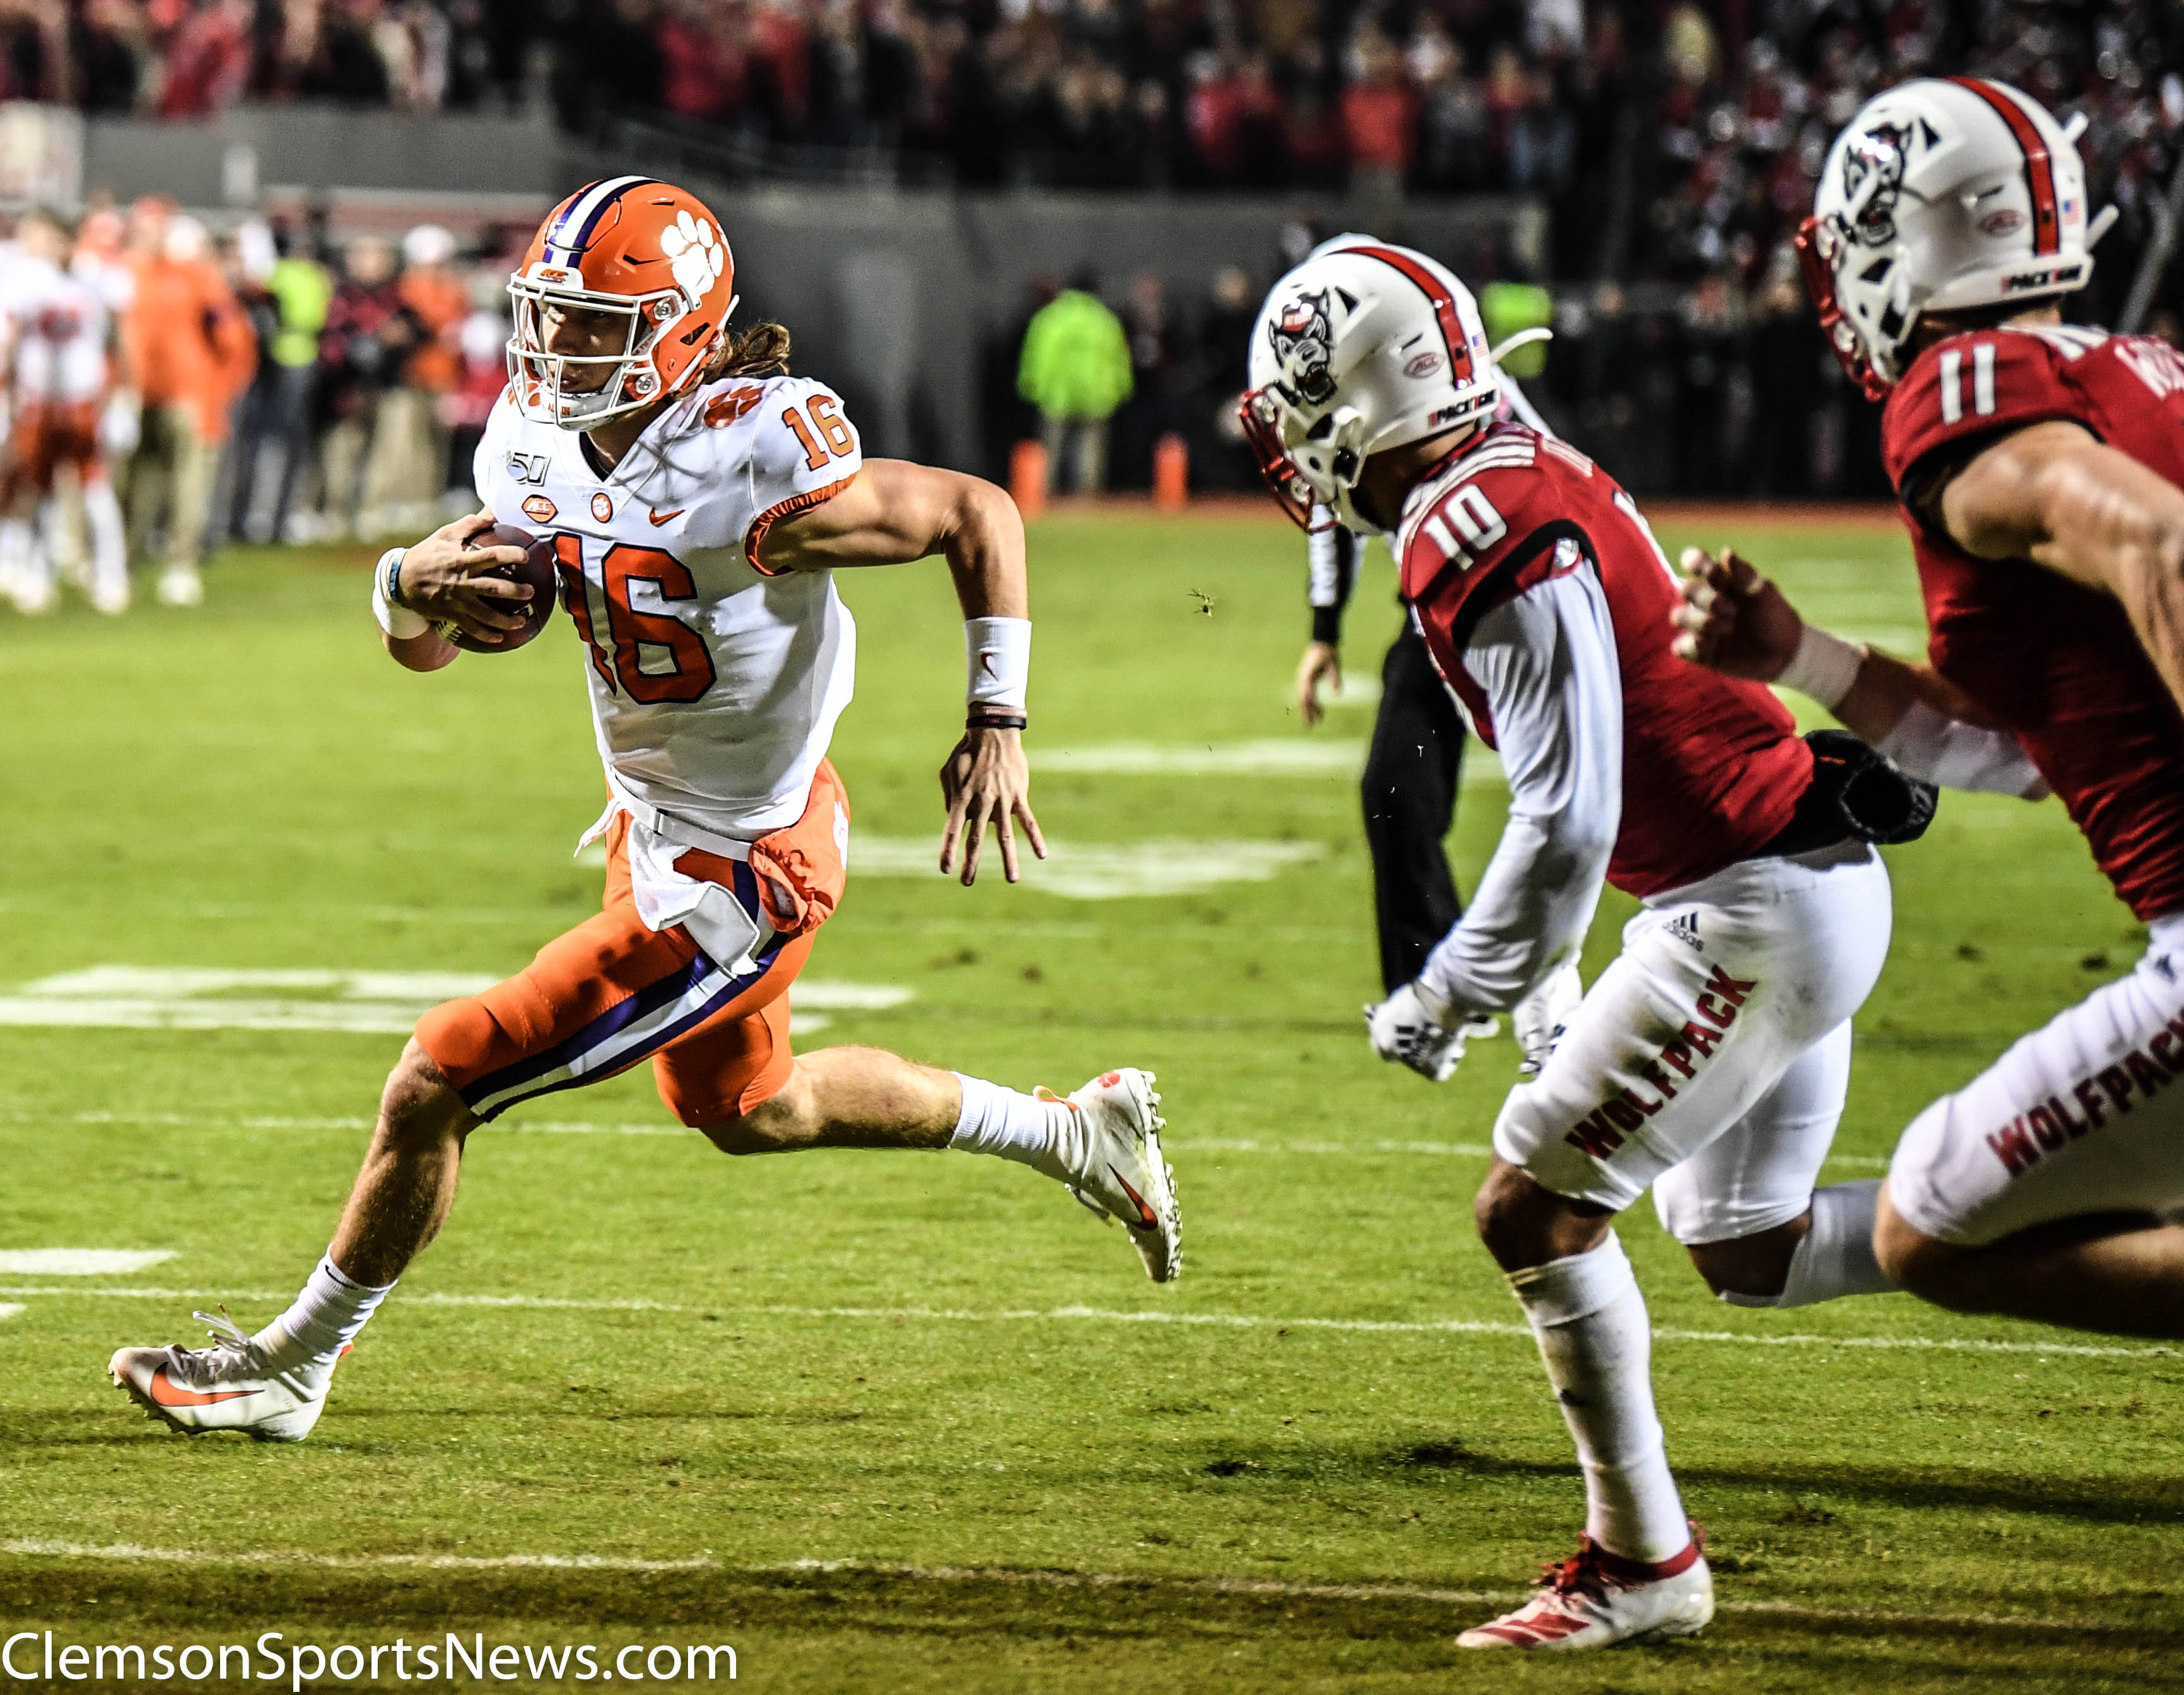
{"x": 1151, "y": 1221}
{"x": 168, "y": 1393}
{"x": 659, "y": 518}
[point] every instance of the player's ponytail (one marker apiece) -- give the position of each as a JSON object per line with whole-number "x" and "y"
{"x": 762, "y": 350}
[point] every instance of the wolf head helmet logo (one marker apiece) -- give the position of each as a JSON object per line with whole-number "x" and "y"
{"x": 1877, "y": 153}
{"x": 1303, "y": 342}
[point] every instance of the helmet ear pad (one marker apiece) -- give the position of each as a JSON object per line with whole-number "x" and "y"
{"x": 1328, "y": 452}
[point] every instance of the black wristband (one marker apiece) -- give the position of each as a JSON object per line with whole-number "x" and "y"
{"x": 1326, "y": 625}
{"x": 996, "y": 721}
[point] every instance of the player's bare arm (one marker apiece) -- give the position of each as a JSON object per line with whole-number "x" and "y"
{"x": 1736, "y": 620}
{"x": 895, "y": 512}
{"x": 443, "y": 579}
{"x": 2055, "y": 494}
{"x": 1322, "y": 663}
{"x": 1739, "y": 623}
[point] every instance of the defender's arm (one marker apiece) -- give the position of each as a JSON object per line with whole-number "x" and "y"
{"x": 1547, "y": 661}
{"x": 1331, "y": 571}
{"x": 2054, "y": 494}
{"x": 893, "y": 512}
{"x": 1738, "y": 622}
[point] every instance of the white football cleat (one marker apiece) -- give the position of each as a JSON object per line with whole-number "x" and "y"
{"x": 180, "y": 585}
{"x": 1595, "y": 1599}
{"x": 1126, "y": 1177}
{"x": 223, "y": 1387}
{"x": 109, "y": 599}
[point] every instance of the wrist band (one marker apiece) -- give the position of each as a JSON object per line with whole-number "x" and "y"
{"x": 995, "y": 721}
{"x": 999, "y": 650}
{"x": 1824, "y": 667}
{"x": 395, "y": 618}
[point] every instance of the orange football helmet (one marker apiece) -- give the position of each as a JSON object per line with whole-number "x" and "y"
{"x": 632, "y": 249}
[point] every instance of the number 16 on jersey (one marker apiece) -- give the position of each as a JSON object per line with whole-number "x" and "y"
{"x": 642, "y": 651}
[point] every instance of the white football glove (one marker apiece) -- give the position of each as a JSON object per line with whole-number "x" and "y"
{"x": 1416, "y": 1027}
{"x": 1541, "y": 1016}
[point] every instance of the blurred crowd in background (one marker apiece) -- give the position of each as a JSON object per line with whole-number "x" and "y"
{"x": 1671, "y": 137}
{"x": 1674, "y": 145}
{"x": 259, "y": 384}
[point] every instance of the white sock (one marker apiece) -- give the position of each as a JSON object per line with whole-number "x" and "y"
{"x": 15, "y": 552}
{"x": 323, "y": 1320}
{"x": 1836, "y": 1256}
{"x": 109, "y": 546}
{"x": 1597, "y": 1344}
{"x": 1039, "y": 1134}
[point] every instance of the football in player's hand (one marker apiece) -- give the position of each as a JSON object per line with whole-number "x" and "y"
{"x": 536, "y": 570}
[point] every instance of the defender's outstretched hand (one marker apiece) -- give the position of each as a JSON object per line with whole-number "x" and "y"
{"x": 442, "y": 580}
{"x": 1322, "y": 663}
{"x": 1415, "y": 1027}
{"x": 986, "y": 779}
{"x": 1734, "y": 620}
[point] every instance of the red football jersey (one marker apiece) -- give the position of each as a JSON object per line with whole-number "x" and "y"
{"x": 1712, "y": 768}
{"x": 2056, "y": 664}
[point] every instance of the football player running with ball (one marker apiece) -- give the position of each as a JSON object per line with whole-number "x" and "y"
{"x": 698, "y": 500}
{"x": 2041, "y": 471}
{"x": 1710, "y": 1060}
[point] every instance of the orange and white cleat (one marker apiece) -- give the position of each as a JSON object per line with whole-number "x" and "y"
{"x": 225, "y": 1387}
{"x": 1595, "y": 1599}
{"x": 1122, "y": 1173}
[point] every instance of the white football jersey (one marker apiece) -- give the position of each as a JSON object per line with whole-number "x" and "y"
{"x": 57, "y": 325}
{"x": 714, "y": 686}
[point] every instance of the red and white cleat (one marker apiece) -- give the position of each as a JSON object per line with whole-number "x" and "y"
{"x": 1595, "y": 1599}
{"x": 1124, "y": 1174}
{"x": 223, "y": 1387}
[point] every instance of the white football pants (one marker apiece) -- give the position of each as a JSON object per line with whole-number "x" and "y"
{"x": 2084, "y": 1115}
{"x": 1711, "y": 1059}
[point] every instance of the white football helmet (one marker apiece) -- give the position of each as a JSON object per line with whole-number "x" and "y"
{"x": 1944, "y": 193}
{"x": 1363, "y": 347}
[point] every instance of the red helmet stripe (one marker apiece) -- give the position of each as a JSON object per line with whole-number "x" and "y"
{"x": 1452, "y": 328}
{"x": 2039, "y": 169}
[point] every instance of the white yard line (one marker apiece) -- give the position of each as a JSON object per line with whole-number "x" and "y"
{"x": 1290, "y": 756}
{"x": 131, "y": 1552}
{"x": 1096, "y": 1315}
{"x": 570, "y": 1127}
{"x": 1104, "y": 871}
{"x": 78, "y": 1261}
{"x": 9, "y": 1308}
{"x": 137, "y": 997}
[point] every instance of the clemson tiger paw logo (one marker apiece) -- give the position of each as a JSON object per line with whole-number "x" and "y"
{"x": 697, "y": 254}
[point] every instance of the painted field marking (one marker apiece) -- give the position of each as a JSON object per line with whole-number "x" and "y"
{"x": 78, "y": 1261}
{"x": 1291, "y": 756}
{"x": 1086, "y": 872}
{"x": 1238, "y": 1321}
{"x": 9, "y": 1308}
{"x": 578, "y": 1126}
{"x": 131, "y": 1552}
{"x": 189, "y": 998}
{"x": 138, "y": 997}
{"x": 1109, "y": 871}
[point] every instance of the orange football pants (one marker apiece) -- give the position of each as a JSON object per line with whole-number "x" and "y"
{"x": 610, "y": 993}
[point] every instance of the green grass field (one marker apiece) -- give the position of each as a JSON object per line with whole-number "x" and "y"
{"x": 892, "y": 1421}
